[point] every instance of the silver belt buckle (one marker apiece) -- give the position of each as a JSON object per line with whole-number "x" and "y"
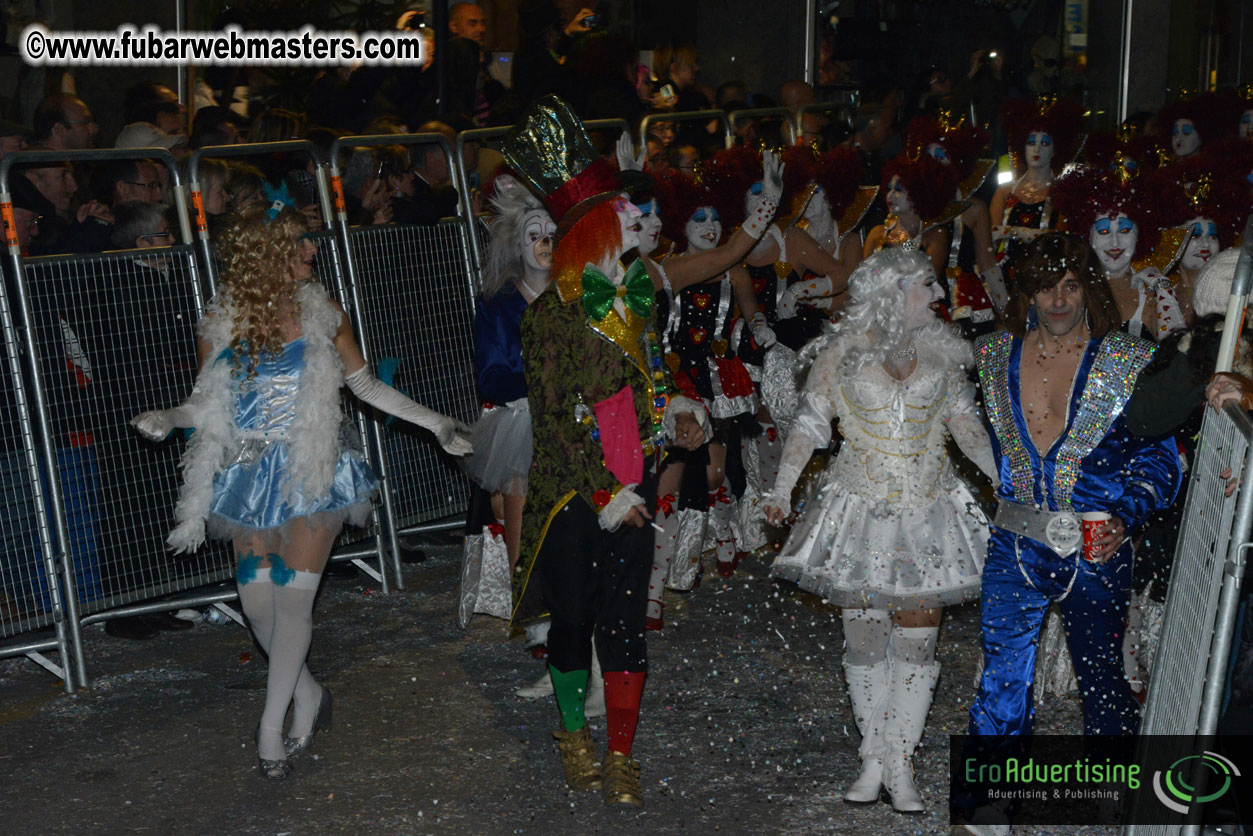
{"x": 1063, "y": 532}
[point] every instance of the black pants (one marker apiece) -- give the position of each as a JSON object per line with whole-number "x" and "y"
{"x": 595, "y": 583}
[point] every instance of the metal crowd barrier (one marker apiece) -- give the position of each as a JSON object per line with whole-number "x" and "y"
{"x": 781, "y": 115}
{"x": 684, "y": 116}
{"x": 106, "y": 337}
{"x": 1190, "y": 668}
{"x": 30, "y": 590}
{"x": 413, "y": 290}
{"x": 356, "y": 545}
{"x": 1199, "y": 629}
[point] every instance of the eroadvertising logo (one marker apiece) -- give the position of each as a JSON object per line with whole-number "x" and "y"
{"x": 1173, "y": 788}
{"x": 1064, "y": 779}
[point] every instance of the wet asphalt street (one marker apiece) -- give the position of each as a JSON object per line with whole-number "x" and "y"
{"x": 746, "y": 728}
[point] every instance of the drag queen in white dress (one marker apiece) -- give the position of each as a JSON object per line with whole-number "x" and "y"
{"x": 893, "y": 535}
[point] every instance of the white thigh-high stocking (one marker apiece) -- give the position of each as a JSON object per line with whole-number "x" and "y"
{"x": 289, "y": 645}
{"x": 256, "y": 596}
{"x": 866, "y": 635}
{"x": 914, "y": 645}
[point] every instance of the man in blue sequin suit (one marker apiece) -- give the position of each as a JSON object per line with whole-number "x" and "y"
{"x": 1054, "y": 388}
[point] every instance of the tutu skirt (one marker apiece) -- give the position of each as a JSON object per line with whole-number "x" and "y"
{"x": 502, "y": 448}
{"x": 863, "y": 553}
{"x": 248, "y": 494}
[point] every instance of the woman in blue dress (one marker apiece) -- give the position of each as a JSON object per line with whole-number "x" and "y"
{"x": 270, "y": 465}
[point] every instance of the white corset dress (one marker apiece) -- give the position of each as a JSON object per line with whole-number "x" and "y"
{"x": 892, "y": 526}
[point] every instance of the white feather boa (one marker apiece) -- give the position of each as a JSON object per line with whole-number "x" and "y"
{"x": 312, "y": 440}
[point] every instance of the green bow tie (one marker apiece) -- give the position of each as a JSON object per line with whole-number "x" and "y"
{"x": 636, "y": 291}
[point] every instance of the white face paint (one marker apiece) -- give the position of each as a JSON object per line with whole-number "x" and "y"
{"x": 537, "y": 241}
{"x": 1114, "y": 237}
{"x": 921, "y": 292}
{"x": 629, "y": 219}
{"x": 650, "y": 226}
{"x": 1039, "y": 151}
{"x": 703, "y": 230}
{"x": 897, "y": 198}
{"x": 1202, "y": 245}
{"x": 937, "y": 151}
{"x": 1246, "y": 125}
{"x": 818, "y": 214}
{"x": 1184, "y": 139}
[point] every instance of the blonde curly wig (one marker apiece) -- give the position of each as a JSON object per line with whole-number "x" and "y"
{"x": 256, "y": 259}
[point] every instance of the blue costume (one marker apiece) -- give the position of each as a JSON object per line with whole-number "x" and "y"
{"x": 1095, "y": 465}
{"x": 502, "y": 436}
{"x": 247, "y": 494}
{"x": 498, "y": 346}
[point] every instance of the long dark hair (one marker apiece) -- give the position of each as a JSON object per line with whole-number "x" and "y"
{"x": 1042, "y": 265}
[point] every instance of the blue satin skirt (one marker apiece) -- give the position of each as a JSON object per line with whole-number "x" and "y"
{"x": 1013, "y": 611}
{"x": 248, "y": 493}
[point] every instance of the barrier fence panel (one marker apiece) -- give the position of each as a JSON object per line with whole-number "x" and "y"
{"x": 768, "y": 118}
{"x": 30, "y": 594}
{"x": 412, "y": 289}
{"x": 1189, "y": 669}
{"x": 106, "y": 337}
{"x": 115, "y": 336}
{"x": 419, "y": 324}
{"x": 481, "y": 234}
{"x": 356, "y": 544}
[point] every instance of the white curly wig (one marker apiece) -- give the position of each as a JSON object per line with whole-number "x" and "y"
{"x": 511, "y": 204}
{"x": 872, "y": 323}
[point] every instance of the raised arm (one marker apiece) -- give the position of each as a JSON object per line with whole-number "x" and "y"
{"x": 691, "y": 269}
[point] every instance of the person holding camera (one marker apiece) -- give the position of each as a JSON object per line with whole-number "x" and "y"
{"x": 539, "y": 67}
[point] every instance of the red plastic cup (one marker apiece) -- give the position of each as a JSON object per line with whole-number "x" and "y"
{"x": 1093, "y": 522}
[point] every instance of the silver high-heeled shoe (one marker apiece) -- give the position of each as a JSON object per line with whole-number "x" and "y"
{"x": 322, "y": 722}
{"x": 272, "y": 770}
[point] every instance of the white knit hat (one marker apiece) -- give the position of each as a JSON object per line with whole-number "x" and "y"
{"x": 1213, "y": 284}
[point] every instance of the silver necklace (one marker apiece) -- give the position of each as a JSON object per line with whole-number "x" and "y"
{"x": 903, "y": 355}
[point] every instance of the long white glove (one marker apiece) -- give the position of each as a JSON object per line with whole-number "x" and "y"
{"x": 448, "y": 431}
{"x": 1169, "y": 314}
{"x": 628, "y": 160}
{"x": 763, "y": 207}
{"x": 966, "y": 426}
{"x": 763, "y": 334}
{"x": 815, "y": 288}
{"x": 994, "y": 281}
{"x": 158, "y": 423}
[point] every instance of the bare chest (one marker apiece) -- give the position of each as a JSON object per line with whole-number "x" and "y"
{"x": 1045, "y": 385}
